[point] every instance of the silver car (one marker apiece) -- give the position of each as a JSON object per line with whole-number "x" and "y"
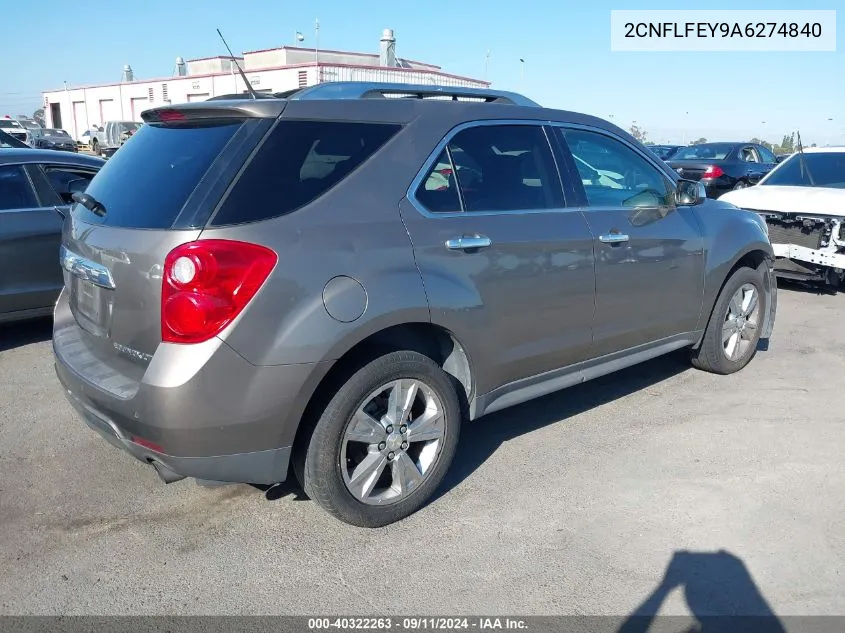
{"x": 331, "y": 281}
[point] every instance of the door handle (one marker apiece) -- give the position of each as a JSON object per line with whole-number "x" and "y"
{"x": 468, "y": 242}
{"x": 613, "y": 238}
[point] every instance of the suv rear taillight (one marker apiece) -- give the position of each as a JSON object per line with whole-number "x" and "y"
{"x": 206, "y": 284}
{"x": 713, "y": 171}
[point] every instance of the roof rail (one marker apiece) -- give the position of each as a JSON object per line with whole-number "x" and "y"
{"x": 373, "y": 90}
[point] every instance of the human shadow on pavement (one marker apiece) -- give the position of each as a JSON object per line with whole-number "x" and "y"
{"x": 14, "y": 335}
{"x": 720, "y": 594}
{"x": 491, "y": 431}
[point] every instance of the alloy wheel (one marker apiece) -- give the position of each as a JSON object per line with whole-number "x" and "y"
{"x": 392, "y": 442}
{"x": 741, "y": 323}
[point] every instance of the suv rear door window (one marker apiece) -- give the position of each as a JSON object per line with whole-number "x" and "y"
{"x": 147, "y": 182}
{"x": 298, "y": 163}
{"x": 497, "y": 168}
{"x": 506, "y": 168}
{"x": 438, "y": 193}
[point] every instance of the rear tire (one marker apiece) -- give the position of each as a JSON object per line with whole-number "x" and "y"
{"x": 384, "y": 442}
{"x": 730, "y": 340}
{"x": 740, "y": 184}
{"x": 95, "y": 147}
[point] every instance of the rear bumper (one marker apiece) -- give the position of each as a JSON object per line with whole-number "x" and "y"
{"x": 200, "y": 410}
{"x": 255, "y": 467}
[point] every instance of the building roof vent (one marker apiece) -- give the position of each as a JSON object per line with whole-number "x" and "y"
{"x": 387, "y": 50}
{"x": 181, "y": 67}
{"x": 128, "y": 75}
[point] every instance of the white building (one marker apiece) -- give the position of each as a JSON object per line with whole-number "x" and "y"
{"x": 77, "y": 109}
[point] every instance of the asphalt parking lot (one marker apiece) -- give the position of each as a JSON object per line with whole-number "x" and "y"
{"x": 573, "y": 504}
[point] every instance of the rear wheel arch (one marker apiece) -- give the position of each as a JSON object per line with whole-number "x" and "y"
{"x": 433, "y": 341}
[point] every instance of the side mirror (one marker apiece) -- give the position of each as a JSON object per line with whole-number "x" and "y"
{"x": 689, "y": 193}
{"x": 78, "y": 185}
{"x": 73, "y": 188}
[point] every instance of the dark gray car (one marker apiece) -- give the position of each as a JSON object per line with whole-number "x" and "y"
{"x": 35, "y": 190}
{"x": 333, "y": 281}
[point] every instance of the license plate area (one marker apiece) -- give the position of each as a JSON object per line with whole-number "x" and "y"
{"x": 91, "y": 305}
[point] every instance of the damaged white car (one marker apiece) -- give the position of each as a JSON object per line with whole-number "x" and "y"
{"x": 803, "y": 202}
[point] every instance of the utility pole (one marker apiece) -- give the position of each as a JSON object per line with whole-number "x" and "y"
{"x": 317, "y": 41}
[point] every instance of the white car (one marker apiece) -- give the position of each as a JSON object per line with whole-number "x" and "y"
{"x": 85, "y": 137}
{"x": 13, "y": 128}
{"x": 803, "y": 202}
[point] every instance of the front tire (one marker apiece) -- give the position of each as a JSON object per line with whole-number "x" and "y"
{"x": 730, "y": 340}
{"x": 384, "y": 442}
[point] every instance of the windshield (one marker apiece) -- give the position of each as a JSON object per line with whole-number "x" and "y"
{"x": 819, "y": 169}
{"x": 705, "y": 151}
{"x": 130, "y": 126}
{"x": 8, "y": 123}
{"x": 52, "y": 132}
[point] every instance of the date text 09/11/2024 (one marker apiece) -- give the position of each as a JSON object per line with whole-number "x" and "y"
{"x": 417, "y": 623}
{"x": 722, "y": 29}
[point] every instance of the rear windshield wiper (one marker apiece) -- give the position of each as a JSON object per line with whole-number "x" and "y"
{"x": 89, "y": 202}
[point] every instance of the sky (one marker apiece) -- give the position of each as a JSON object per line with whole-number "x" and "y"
{"x": 673, "y": 96}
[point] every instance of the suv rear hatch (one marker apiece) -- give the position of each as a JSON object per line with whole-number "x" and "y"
{"x": 154, "y": 194}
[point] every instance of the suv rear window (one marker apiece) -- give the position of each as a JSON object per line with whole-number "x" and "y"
{"x": 299, "y": 162}
{"x": 147, "y": 182}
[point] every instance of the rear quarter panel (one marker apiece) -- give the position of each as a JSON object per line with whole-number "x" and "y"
{"x": 353, "y": 230}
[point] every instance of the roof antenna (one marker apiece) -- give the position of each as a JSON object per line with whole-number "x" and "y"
{"x": 249, "y": 87}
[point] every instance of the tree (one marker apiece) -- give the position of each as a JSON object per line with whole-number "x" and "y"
{"x": 787, "y": 145}
{"x": 38, "y": 116}
{"x": 638, "y": 133}
{"x": 698, "y": 141}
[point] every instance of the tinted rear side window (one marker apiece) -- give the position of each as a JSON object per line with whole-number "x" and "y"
{"x": 147, "y": 182}
{"x": 299, "y": 162}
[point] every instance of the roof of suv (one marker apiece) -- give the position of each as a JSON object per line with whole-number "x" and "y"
{"x": 399, "y": 103}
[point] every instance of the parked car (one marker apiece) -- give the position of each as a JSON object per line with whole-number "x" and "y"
{"x": 723, "y": 166}
{"x": 253, "y": 285}
{"x": 803, "y": 202}
{"x": 779, "y": 158}
{"x": 85, "y": 138}
{"x": 664, "y": 152}
{"x": 7, "y": 140}
{"x": 52, "y": 138}
{"x": 28, "y": 123}
{"x": 35, "y": 191}
{"x": 13, "y": 128}
{"x": 106, "y": 140}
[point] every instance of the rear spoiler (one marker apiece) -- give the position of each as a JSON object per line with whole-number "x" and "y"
{"x": 235, "y": 109}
